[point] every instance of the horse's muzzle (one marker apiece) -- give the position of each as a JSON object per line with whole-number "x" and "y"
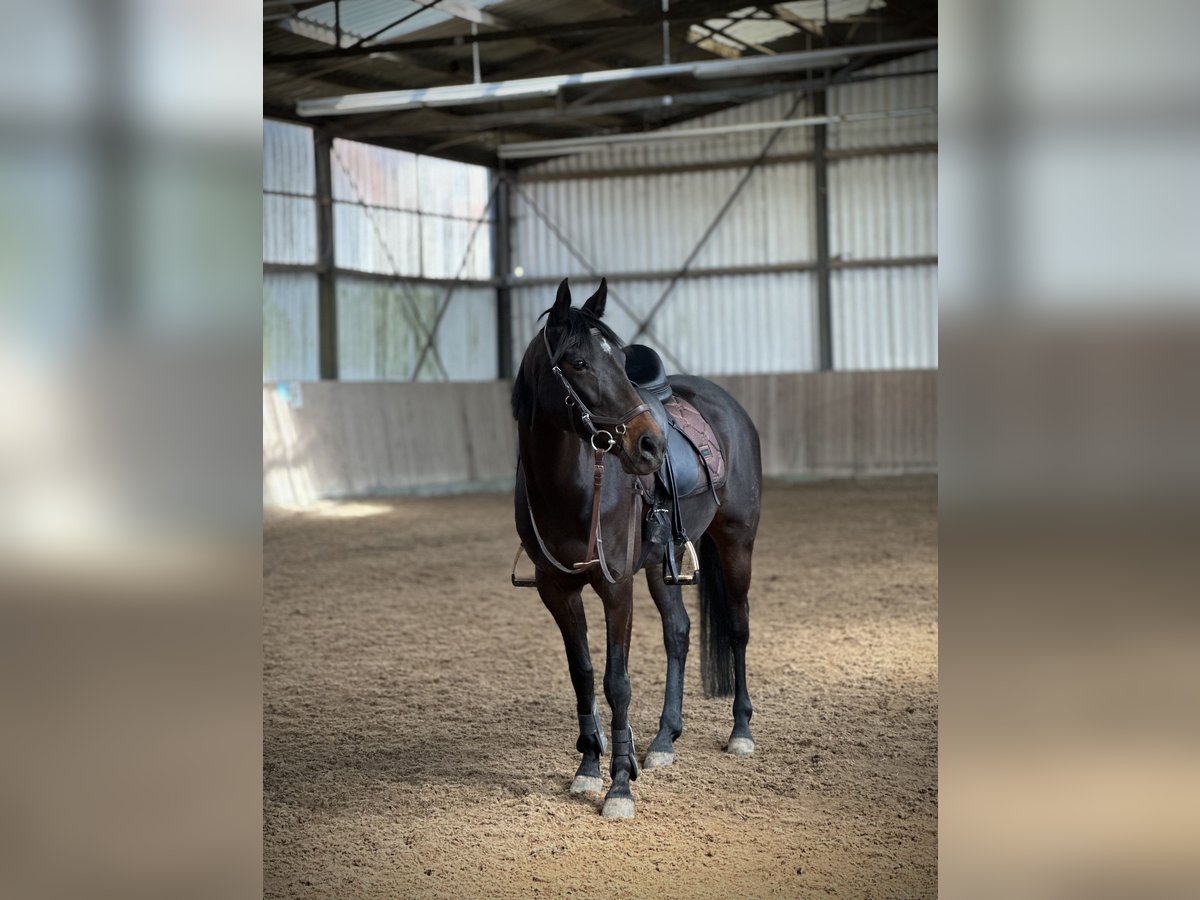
{"x": 643, "y": 449}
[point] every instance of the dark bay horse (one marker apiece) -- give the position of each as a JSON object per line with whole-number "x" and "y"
{"x": 554, "y": 506}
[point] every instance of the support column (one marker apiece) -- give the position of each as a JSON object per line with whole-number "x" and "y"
{"x": 821, "y": 201}
{"x": 326, "y": 279}
{"x": 502, "y": 268}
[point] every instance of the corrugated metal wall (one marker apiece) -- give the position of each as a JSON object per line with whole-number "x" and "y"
{"x": 400, "y": 214}
{"x": 773, "y": 320}
{"x": 911, "y": 92}
{"x": 885, "y": 207}
{"x": 290, "y": 327}
{"x": 715, "y": 149}
{"x": 383, "y": 328}
{"x": 290, "y": 342}
{"x": 596, "y": 213}
{"x": 289, "y": 210}
{"x": 634, "y": 213}
{"x": 885, "y": 318}
{"x": 397, "y": 213}
{"x": 409, "y": 217}
{"x": 651, "y": 223}
{"x": 289, "y": 230}
{"x": 288, "y": 158}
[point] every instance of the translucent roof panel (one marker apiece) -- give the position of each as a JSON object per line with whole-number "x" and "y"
{"x": 361, "y": 18}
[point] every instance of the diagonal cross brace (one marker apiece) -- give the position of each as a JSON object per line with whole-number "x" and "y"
{"x": 591, "y": 269}
{"x": 644, "y": 324}
{"x": 445, "y": 301}
{"x": 412, "y": 310}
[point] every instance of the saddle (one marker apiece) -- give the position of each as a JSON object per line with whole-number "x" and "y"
{"x": 694, "y": 463}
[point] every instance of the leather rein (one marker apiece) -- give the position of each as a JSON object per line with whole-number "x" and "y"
{"x": 607, "y": 440}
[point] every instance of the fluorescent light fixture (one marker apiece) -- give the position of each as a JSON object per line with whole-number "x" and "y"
{"x": 454, "y": 95}
{"x": 501, "y": 90}
{"x": 765, "y": 65}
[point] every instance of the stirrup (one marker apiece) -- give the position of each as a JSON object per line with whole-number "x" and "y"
{"x": 525, "y": 581}
{"x": 687, "y": 576}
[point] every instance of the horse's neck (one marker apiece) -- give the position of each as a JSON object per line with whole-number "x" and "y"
{"x": 553, "y": 464}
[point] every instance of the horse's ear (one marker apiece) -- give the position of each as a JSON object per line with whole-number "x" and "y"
{"x": 558, "y": 312}
{"x": 595, "y": 303}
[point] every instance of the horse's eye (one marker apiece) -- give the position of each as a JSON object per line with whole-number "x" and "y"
{"x": 579, "y": 364}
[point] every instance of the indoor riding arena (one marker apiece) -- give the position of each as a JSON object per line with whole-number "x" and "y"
{"x": 757, "y": 187}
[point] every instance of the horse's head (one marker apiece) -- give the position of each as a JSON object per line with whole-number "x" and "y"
{"x": 574, "y": 373}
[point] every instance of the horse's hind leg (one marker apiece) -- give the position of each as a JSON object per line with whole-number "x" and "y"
{"x": 566, "y": 606}
{"x": 735, "y": 551}
{"x": 676, "y": 625}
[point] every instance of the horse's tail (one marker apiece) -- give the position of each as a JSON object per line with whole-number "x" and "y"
{"x": 716, "y": 649}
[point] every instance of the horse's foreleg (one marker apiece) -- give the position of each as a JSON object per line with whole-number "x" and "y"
{"x": 676, "y": 626}
{"x": 566, "y": 606}
{"x": 618, "y": 617}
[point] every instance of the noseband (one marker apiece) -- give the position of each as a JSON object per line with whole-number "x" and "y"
{"x": 572, "y": 400}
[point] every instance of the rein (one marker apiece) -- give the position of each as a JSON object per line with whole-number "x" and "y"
{"x": 594, "y": 555}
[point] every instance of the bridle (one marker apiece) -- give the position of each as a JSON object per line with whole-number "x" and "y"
{"x": 607, "y": 440}
{"x": 573, "y": 401}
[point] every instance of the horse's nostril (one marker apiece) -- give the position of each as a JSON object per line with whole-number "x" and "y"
{"x": 650, "y": 445}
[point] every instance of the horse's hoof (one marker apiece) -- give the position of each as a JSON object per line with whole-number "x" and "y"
{"x": 656, "y": 759}
{"x": 587, "y": 784}
{"x": 740, "y": 746}
{"x": 618, "y": 808}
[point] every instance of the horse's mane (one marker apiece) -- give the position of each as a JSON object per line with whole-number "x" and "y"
{"x": 579, "y": 323}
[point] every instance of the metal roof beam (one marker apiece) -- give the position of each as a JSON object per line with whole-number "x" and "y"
{"x": 549, "y": 86}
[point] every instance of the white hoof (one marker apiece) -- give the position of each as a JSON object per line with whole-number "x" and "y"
{"x": 656, "y": 759}
{"x": 618, "y": 808}
{"x": 740, "y": 746}
{"x": 587, "y": 784}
